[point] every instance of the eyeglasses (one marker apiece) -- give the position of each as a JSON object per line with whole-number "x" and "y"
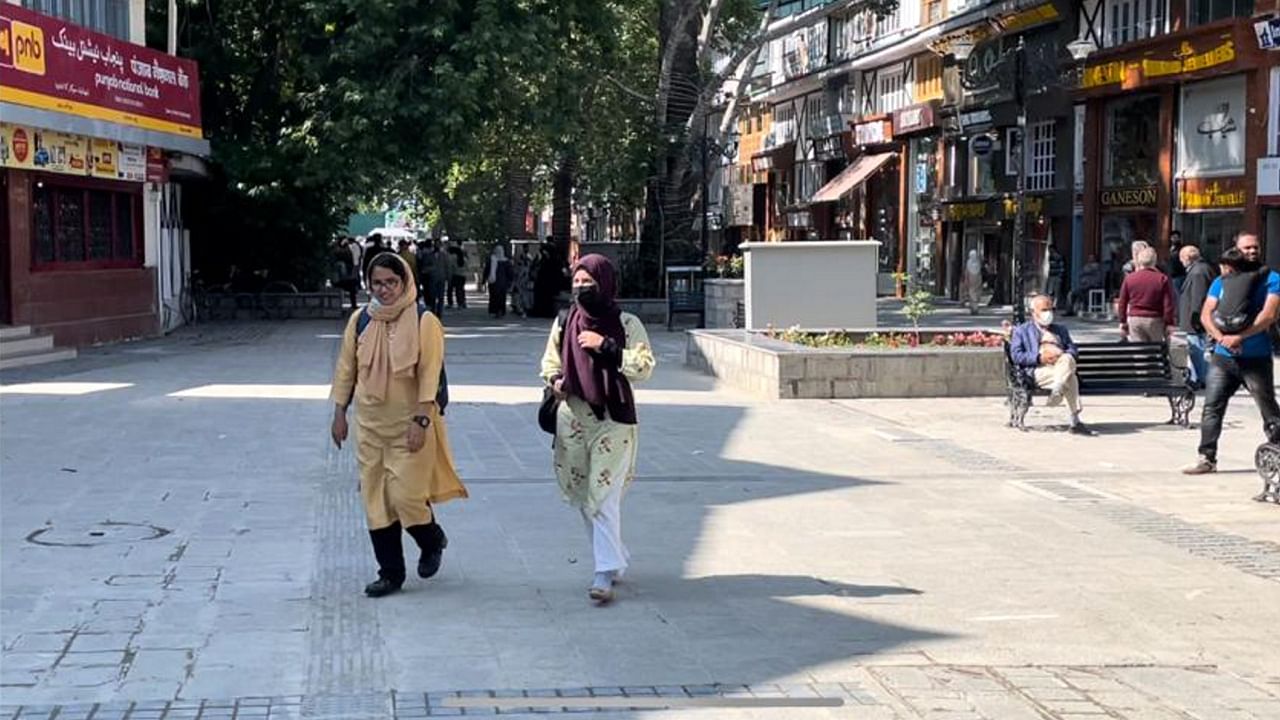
{"x": 391, "y": 284}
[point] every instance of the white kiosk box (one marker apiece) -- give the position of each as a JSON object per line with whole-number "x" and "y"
{"x": 823, "y": 285}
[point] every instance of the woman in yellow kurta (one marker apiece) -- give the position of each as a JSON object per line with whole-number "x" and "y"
{"x": 392, "y": 372}
{"x": 590, "y": 364}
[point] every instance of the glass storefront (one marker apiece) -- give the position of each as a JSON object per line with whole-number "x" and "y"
{"x": 1119, "y": 232}
{"x": 1133, "y": 142}
{"x": 922, "y": 190}
{"x": 1212, "y": 232}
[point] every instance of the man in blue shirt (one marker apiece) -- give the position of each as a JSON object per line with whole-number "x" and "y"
{"x": 1240, "y": 359}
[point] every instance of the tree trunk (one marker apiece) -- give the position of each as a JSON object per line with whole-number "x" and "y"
{"x": 562, "y": 205}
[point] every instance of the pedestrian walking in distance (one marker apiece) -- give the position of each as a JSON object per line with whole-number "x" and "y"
{"x": 1146, "y": 305}
{"x": 593, "y": 355}
{"x": 498, "y": 276}
{"x": 390, "y": 366}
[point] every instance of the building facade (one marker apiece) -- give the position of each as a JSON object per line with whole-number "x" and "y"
{"x": 904, "y": 128}
{"x": 97, "y": 134}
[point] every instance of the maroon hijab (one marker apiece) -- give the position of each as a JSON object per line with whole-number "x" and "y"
{"x": 595, "y": 376}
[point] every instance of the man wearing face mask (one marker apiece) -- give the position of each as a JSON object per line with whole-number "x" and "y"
{"x": 1043, "y": 351}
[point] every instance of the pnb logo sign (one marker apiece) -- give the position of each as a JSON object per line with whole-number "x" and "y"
{"x": 22, "y": 46}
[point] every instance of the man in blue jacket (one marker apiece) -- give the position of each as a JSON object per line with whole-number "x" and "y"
{"x": 1043, "y": 350}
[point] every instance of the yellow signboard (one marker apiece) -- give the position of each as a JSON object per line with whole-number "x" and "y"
{"x": 1135, "y": 73}
{"x": 105, "y": 158}
{"x": 1030, "y": 206}
{"x": 1222, "y": 194}
{"x": 29, "y": 148}
{"x": 958, "y": 212}
{"x": 1031, "y": 17}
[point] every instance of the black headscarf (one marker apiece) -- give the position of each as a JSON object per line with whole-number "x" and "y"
{"x": 596, "y": 376}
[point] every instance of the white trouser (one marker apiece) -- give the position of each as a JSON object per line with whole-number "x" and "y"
{"x": 604, "y": 531}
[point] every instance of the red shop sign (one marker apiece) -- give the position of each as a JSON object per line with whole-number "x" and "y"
{"x": 51, "y": 64}
{"x": 157, "y": 166}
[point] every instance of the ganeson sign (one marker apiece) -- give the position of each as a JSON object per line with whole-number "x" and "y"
{"x": 1131, "y": 197}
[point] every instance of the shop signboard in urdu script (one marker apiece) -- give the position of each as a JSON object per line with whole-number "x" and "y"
{"x": 50, "y": 64}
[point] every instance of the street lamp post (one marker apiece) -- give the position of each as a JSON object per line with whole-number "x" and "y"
{"x": 1019, "y": 213}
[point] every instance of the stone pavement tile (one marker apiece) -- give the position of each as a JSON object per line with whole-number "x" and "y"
{"x": 86, "y": 642}
{"x": 39, "y": 642}
{"x": 1073, "y": 707}
{"x": 1002, "y": 706}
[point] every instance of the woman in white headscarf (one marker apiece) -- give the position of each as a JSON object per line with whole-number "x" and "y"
{"x": 973, "y": 281}
{"x": 498, "y": 277}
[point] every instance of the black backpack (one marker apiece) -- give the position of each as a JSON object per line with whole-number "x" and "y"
{"x": 442, "y": 393}
{"x": 1235, "y": 311}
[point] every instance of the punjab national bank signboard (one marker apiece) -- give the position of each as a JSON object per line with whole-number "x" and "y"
{"x": 50, "y": 64}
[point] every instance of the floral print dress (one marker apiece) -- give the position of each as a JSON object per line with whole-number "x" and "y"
{"x": 594, "y": 457}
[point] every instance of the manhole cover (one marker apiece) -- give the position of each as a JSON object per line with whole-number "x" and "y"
{"x": 103, "y": 533}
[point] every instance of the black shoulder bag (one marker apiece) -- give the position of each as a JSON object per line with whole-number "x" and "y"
{"x": 550, "y": 406}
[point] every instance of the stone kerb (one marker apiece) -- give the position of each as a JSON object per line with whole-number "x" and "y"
{"x": 775, "y": 369}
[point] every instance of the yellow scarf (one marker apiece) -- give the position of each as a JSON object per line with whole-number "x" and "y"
{"x": 388, "y": 347}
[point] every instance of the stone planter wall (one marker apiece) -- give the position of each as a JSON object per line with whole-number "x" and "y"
{"x": 722, "y": 298}
{"x": 651, "y": 311}
{"x": 779, "y": 370}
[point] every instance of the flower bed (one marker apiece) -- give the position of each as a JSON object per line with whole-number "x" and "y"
{"x": 890, "y": 340}
{"x": 852, "y": 363}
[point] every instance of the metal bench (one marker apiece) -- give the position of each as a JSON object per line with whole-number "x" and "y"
{"x": 682, "y": 302}
{"x": 1103, "y": 369}
{"x": 1267, "y": 462}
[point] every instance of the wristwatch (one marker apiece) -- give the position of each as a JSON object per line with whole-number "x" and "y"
{"x": 422, "y": 421}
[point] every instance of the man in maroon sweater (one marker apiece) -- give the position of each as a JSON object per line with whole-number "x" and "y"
{"x": 1146, "y": 303}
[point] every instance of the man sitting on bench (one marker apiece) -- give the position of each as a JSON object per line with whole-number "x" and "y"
{"x": 1043, "y": 351}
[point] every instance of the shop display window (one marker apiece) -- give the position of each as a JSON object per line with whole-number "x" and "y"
{"x": 1133, "y": 142}
{"x": 1212, "y": 232}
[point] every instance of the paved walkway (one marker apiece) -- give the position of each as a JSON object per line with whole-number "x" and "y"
{"x": 181, "y": 542}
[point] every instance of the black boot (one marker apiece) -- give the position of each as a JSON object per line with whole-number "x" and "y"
{"x": 432, "y": 541}
{"x": 389, "y": 552}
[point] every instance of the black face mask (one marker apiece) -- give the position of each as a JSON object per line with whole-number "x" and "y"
{"x": 587, "y": 297}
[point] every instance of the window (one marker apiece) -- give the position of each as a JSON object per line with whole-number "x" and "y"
{"x": 1133, "y": 142}
{"x": 839, "y": 36}
{"x": 808, "y": 179}
{"x": 815, "y": 115}
{"x": 1273, "y": 117}
{"x": 928, "y": 84}
{"x": 982, "y": 173}
{"x": 110, "y": 17}
{"x": 894, "y": 92}
{"x": 934, "y": 11}
{"x": 1128, "y": 21}
{"x": 1042, "y": 156}
{"x": 784, "y": 123}
{"x": 1207, "y": 11}
{"x": 89, "y": 226}
{"x": 890, "y": 23}
{"x": 1078, "y": 147}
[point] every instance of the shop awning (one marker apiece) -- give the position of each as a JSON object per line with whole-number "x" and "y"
{"x": 778, "y": 157}
{"x": 853, "y": 176}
